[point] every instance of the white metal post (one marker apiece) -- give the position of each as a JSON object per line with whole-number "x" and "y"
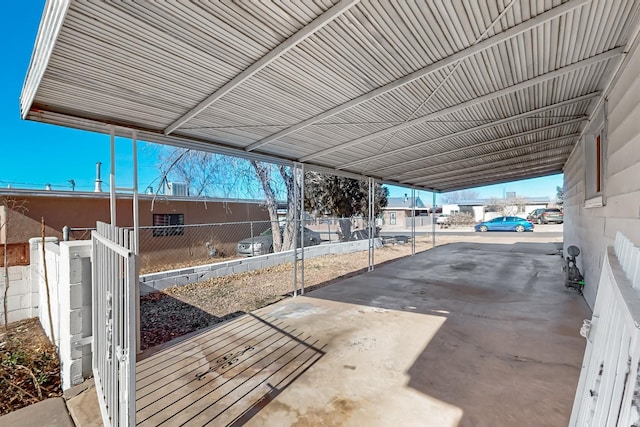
{"x": 294, "y": 170}
{"x": 371, "y": 225}
{"x": 128, "y": 357}
{"x": 302, "y": 224}
{"x": 136, "y": 239}
{"x": 413, "y": 221}
{"x": 433, "y": 221}
{"x": 112, "y": 176}
{"x": 136, "y": 225}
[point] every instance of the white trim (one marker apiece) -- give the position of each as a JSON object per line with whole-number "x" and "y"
{"x": 53, "y": 18}
{"x": 594, "y": 202}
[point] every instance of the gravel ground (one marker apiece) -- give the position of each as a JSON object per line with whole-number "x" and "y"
{"x": 180, "y": 310}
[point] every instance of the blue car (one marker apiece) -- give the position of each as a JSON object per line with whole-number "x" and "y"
{"x": 505, "y": 223}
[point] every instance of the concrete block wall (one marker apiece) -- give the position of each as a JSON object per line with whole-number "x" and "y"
{"x": 52, "y": 253}
{"x": 165, "y": 279}
{"x": 22, "y": 297}
{"x": 69, "y": 277}
{"x": 75, "y": 312}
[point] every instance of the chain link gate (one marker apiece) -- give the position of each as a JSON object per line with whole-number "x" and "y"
{"x": 114, "y": 279}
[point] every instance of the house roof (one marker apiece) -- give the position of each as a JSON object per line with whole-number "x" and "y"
{"x": 404, "y": 203}
{"x": 433, "y": 95}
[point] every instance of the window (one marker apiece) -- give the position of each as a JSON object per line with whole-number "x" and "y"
{"x": 594, "y": 168}
{"x": 595, "y": 158}
{"x": 163, "y": 225}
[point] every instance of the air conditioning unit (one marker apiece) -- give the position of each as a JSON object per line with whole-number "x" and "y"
{"x": 176, "y": 189}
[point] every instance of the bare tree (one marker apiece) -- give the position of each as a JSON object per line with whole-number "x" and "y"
{"x": 216, "y": 175}
{"x": 207, "y": 174}
{"x": 282, "y": 240}
{"x": 455, "y": 196}
{"x": 508, "y": 206}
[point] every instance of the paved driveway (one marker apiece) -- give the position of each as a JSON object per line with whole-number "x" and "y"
{"x": 466, "y": 334}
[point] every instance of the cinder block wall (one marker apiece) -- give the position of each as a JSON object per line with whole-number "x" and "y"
{"x": 154, "y": 282}
{"x": 22, "y": 297}
{"x": 75, "y": 312}
{"x": 69, "y": 276}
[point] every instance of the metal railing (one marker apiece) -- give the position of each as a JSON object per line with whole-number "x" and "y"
{"x": 609, "y": 385}
{"x": 114, "y": 281}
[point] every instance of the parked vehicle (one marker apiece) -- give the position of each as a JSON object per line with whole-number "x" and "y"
{"x": 546, "y": 215}
{"x": 505, "y": 223}
{"x": 263, "y": 243}
{"x": 443, "y": 220}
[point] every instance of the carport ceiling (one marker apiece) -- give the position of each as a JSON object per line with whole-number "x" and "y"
{"x": 440, "y": 95}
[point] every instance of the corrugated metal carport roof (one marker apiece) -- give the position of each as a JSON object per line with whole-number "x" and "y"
{"x": 440, "y": 95}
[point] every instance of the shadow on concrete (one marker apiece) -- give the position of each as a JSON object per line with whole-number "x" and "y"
{"x": 223, "y": 375}
{"x": 164, "y": 318}
{"x": 509, "y": 352}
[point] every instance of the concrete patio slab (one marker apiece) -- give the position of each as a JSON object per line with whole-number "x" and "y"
{"x": 50, "y": 412}
{"x": 469, "y": 334}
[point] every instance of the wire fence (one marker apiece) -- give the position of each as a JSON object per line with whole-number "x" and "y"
{"x": 169, "y": 247}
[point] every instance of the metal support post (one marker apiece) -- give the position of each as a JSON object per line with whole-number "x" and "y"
{"x": 413, "y": 221}
{"x": 136, "y": 239}
{"x": 433, "y": 221}
{"x": 371, "y": 225}
{"x": 136, "y": 223}
{"x": 112, "y": 176}
{"x": 252, "y": 249}
{"x": 302, "y": 224}
{"x": 294, "y": 170}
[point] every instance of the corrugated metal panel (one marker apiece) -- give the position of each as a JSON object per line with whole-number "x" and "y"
{"x": 52, "y": 19}
{"x": 400, "y": 90}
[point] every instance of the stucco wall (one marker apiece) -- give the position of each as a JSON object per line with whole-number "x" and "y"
{"x": 83, "y": 211}
{"x": 592, "y": 229}
{"x": 401, "y": 216}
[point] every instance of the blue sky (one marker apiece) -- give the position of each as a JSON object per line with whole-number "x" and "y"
{"x": 35, "y": 154}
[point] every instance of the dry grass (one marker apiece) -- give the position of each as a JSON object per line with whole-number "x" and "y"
{"x": 182, "y": 309}
{"x": 29, "y": 366}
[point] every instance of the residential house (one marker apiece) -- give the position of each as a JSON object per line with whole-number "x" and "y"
{"x": 400, "y": 209}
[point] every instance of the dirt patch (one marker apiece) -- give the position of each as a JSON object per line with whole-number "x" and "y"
{"x": 29, "y": 366}
{"x": 183, "y": 309}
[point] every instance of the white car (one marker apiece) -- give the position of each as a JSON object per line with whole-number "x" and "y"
{"x": 443, "y": 220}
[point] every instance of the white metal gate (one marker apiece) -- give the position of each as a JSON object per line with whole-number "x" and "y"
{"x": 609, "y": 387}
{"x": 114, "y": 323}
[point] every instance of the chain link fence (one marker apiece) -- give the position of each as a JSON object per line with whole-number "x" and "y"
{"x": 170, "y": 247}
